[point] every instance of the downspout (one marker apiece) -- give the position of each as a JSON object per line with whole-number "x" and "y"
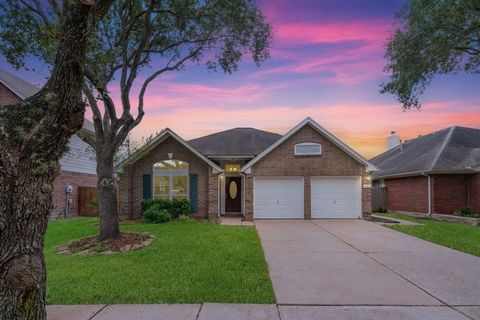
{"x": 429, "y": 188}
{"x": 244, "y": 181}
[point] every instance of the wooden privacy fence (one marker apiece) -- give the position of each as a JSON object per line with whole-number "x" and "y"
{"x": 87, "y": 202}
{"x": 379, "y": 199}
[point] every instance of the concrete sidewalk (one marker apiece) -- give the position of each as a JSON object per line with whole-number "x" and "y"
{"x": 214, "y": 311}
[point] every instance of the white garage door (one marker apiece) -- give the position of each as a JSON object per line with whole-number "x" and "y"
{"x": 338, "y": 197}
{"x": 278, "y": 198}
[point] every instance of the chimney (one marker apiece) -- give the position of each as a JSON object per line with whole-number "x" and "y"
{"x": 393, "y": 140}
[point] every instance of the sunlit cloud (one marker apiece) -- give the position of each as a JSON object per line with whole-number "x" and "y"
{"x": 364, "y": 127}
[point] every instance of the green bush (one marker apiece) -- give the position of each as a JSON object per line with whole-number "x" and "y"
{"x": 156, "y": 215}
{"x": 175, "y": 207}
{"x": 465, "y": 212}
{"x": 179, "y": 207}
{"x": 146, "y": 204}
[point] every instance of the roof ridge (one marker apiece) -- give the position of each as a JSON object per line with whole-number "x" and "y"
{"x": 231, "y": 129}
{"x": 443, "y": 147}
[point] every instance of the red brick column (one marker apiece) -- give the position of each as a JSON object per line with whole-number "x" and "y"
{"x": 213, "y": 201}
{"x": 307, "y": 197}
{"x": 366, "y": 195}
{"x": 249, "y": 197}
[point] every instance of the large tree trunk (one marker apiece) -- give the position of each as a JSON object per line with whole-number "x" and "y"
{"x": 24, "y": 201}
{"x": 107, "y": 197}
{"x": 33, "y": 137}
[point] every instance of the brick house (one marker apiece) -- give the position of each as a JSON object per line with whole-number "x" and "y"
{"x": 306, "y": 173}
{"x": 77, "y": 166}
{"x": 435, "y": 173}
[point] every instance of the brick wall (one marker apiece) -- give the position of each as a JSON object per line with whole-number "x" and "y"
{"x": 76, "y": 180}
{"x": 7, "y": 96}
{"x": 213, "y": 204}
{"x": 283, "y": 162}
{"x": 131, "y": 181}
{"x": 408, "y": 194}
{"x": 449, "y": 192}
{"x": 474, "y": 192}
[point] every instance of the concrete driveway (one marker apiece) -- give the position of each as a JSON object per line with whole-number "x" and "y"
{"x": 357, "y": 263}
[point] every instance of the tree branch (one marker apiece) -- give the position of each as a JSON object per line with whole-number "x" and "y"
{"x": 97, "y": 115}
{"x": 89, "y": 138}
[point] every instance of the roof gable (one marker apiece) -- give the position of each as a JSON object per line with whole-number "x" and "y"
{"x": 164, "y": 134}
{"x": 312, "y": 123}
{"x": 246, "y": 142}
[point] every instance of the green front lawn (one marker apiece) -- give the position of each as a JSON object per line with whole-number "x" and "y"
{"x": 187, "y": 262}
{"x": 457, "y": 236}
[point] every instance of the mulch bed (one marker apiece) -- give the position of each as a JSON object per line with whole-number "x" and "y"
{"x": 128, "y": 241}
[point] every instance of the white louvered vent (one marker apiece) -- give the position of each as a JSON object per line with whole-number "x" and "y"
{"x": 308, "y": 149}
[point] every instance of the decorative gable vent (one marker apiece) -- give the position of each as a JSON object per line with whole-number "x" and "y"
{"x": 308, "y": 149}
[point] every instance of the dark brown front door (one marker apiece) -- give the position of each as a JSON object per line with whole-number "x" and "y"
{"x": 233, "y": 195}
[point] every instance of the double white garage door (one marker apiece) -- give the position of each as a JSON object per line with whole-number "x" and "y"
{"x": 283, "y": 198}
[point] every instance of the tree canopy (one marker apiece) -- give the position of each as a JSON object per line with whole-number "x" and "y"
{"x": 433, "y": 37}
{"x": 152, "y": 36}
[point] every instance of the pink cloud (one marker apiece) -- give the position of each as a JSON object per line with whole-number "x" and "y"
{"x": 332, "y": 32}
{"x": 349, "y": 65}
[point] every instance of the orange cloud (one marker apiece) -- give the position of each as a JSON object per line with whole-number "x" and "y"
{"x": 364, "y": 127}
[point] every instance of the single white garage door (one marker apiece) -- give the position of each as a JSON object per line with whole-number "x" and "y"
{"x": 339, "y": 197}
{"x": 278, "y": 198}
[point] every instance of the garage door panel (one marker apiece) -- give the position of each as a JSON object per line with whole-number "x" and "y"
{"x": 338, "y": 197}
{"x": 278, "y": 198}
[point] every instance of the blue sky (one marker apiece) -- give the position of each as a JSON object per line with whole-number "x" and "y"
{"x": 326, "y": 62}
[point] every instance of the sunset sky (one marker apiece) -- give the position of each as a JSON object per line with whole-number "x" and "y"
{"x": 326, "y": 62}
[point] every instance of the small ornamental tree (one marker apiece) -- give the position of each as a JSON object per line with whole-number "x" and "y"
{"x": 148, "y": 36}
{"x": 435, "y": 37}
{"x": 33, "y": 137}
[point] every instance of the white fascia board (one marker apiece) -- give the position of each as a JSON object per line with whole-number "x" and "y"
{"x": 159, "y": 138}
{"x": 370, "y": 167}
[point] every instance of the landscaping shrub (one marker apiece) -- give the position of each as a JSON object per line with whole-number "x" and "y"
{"x": 146, "y": 204}
{"x": 175, "y": 207}
{"x": 466, "y": 212}
{"x": 179, "y": 207}
{"x": 155, "y": 214}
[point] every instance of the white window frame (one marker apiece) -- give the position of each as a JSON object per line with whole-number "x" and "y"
{"x": 308, "y": 153}
{"x": 170, "y": 174}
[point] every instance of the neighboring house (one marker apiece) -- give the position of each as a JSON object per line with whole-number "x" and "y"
{"x": 78, "y": 167}
{"x": 435, "y": 173}
{"x": 306, "y": 173}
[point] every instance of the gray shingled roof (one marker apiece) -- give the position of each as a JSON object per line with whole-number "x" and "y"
{"x": 20, "y": 87}
{"x": 235, "y": 142}
{"x": 454, "y": 149}
{"x": 23, "y": 90}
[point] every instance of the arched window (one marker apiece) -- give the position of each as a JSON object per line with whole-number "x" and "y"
{"x": 170, "y": 179}
{"x": 308, "y": 149}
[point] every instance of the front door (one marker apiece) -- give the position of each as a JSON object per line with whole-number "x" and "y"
{"x": 233, "y": 195}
